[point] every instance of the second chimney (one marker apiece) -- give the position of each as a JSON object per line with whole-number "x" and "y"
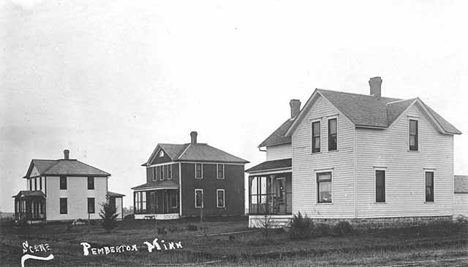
{"x": 375, "y": 84}
{"x": 193, "y": 137}
{"x": 295, "y": 105}
{"x": 66, "y": 154}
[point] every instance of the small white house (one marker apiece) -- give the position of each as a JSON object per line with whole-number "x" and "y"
{"x": 61, "y": 190}
{"x": 360, "y": 158}
{"x": 460, "y": 198}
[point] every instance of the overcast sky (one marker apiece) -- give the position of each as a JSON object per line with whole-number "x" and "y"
{"x": 110, "y": 79}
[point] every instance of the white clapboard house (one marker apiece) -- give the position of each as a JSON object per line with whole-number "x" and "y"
{"x": 354, "y": 157}
{"x": 63, "y": 189}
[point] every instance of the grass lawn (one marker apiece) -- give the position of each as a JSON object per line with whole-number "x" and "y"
{"x": 437, "y": 246}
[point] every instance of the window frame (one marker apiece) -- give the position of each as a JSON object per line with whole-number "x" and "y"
{"x": 176, "y": 197}
{"x": 217, "y": 172}
{"x": 93, "y": 201}
{"x": 330, "y": 136}
{"x": 319, "y": 136}
{"x": 201, "y": 170}
{"x": 63, "y": 208}
{"x": 317, "y": 174}
{"x": 415, "y": 147}
{"x": 154, "y": 171}
{"x": 426, "y": 200}
{"x": 202, "y": 200}
{"x": 91, "y": 178}
{"x": 169, "y": 171}
{"x": 376, "y": 200}
{"x": 217, "y": 199}
{"x": 63, "y": 185}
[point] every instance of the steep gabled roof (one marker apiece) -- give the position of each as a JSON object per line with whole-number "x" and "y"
{"x": 195, "y": 152}
{"x": 278, "y": 137}
{"x": 460, "y": 184}
{"x": 68, "y": 167}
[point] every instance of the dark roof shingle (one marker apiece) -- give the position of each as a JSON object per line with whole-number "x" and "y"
{"x": 157, "y": 185}
{"x": 271, "y": 165}
{"x": 278, "y": 136}
{"x": 71, "y": 167}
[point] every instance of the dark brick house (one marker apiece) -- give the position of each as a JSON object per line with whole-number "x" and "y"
{"x": 182, "y": 179}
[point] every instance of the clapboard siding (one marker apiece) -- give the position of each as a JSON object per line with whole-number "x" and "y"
{"x": 405, "y": 170}
{"x": 279, "y": 152}
{"x": 305, "y": 163}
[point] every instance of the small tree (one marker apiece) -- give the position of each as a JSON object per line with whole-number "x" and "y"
{"x": 109, "y": 215}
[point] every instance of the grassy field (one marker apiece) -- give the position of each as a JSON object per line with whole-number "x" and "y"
{"x": 441, "y": 245}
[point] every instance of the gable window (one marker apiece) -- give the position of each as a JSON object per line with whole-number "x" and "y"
{"x": 324, "y": 187}
{"x": 316, "y": 137}
{"x": 91, "y": 207}
{"x": 379, "y": 186}
{"x": 90, "y": 183}
{"x": 413, "y": 135}
{"x": 220, "y": 198}
{"x": 332, "y": 135}
{"x": 220, "y": 171}
{"x": 63, "y": 206}
{"x": 63, "y": 182}
{"x": 161, "y": 154}
{"x": 198, "y": 198}
{"x": 429, "y": 186}
{"x": 198, "y": 170}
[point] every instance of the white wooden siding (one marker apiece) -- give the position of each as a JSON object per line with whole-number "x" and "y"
{"x": 77, "y": 194}
{"x": 305, "y": 163}
{"x": 405, "y": 170}
{"x": 460, "y": 204}
{"x": 279, "y": 152}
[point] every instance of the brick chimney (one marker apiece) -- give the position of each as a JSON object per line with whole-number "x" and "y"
{"x": 66, "y": 154}
{"x": 295, "y": 105}
{"x": 193, "y": 137}
{"x": 375, "y": 84}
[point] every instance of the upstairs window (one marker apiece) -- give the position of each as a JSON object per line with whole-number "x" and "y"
{"x": 161, "y": 172}
{"x": 379, "y": 186}
{"x": 198, "y": 170}
{"x": 158, "y": 173}
{"x": 324, "y": 187}
{"x": 154, "y": 173}
{"x": 30, "y": 184}
{"x": 169, "y": 171}
{"x": 90, "y": 183}
{"x": 316, "y": 137}
{"x": 429, "y": 186}
{"x": 220, "y": 168}
{"x": 332, "y": 135}
{"x": 63, "y": 182}
{"x": 413, "y": 135}
{"x": 198, "y": 198}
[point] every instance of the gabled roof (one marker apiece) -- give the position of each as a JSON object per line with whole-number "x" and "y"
{"x": 369, "y": 111}
{"x": 113, "y": 194}
{"x": 460, "y": 184}
{"x": 68, "y": 167}
{"x": 195, "y": 152}
{"x": 27, "y": 193}
{"x": 278, "y": 137}
{"x": 271, "y": 165}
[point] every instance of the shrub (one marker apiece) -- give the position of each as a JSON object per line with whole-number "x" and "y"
{"x": 192, "y": 227}
{"x": 109, "y": 215}
{"x": 321, "y": 229}
{"x": 301, "y": 227}
{"x": 342, "y": 228}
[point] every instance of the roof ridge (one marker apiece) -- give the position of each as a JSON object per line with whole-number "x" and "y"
{"x": 401, "y": 100}
{"x": 183, "y": 152}
{"x": 336, "y": 91}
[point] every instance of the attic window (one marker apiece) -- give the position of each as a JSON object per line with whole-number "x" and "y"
{"x": 161, "y": 154}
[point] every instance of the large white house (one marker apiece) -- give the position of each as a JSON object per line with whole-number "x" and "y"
{"x": 361, "y": 158}
{"x": 63, "y": 189}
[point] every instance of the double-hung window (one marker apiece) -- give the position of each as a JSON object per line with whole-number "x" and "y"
{"x": 324, "y": 187}
{"x": 332, "y": 135}
{"x": 198, "y": 170}
{"x": 379, "y": 186}
{"x": 413, "y": 135}
{"x": 63, "y": 182}
{"x": 63, "y": 206}
{"x": 90, "y": 183}
{"x": 198, "y": 198}
{"x": 316, "y": 137}
{"x": 91, "y": 206}
{"x": 220, "y": 171}
{"x": 429, "y": 186}
{"x": 220, "y": 198}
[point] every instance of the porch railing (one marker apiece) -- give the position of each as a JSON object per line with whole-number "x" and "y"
{"x": 270, "y": 204}
{"x": 29, "y": 216}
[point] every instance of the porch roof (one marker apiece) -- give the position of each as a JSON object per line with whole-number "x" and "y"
{"x": 28, "y": 194}
{"x": 114, "y": 194}
{"x": 271, "y": 165}
{"x": 157, "y": 186}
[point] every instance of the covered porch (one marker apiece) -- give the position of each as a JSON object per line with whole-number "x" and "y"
{"x": 157, "y": 201}
{"x": 30, "y": 207}
{"x": 270, "y": 188}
